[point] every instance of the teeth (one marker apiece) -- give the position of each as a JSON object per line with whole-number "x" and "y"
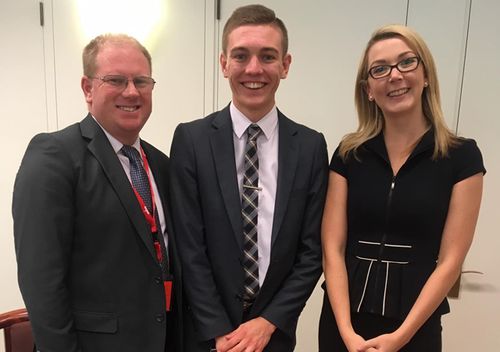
{"x": 128, "y": 108}
{"x": 253, "y": 85}
{"x": 398, "y": 92}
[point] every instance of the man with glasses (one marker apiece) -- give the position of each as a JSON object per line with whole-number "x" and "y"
{"x": 96, "y": 255}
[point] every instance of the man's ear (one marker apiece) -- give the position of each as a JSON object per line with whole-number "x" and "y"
{"x": 287, "y": 61}
{"x": 223, "y": 64}
{"x": 86, "y": 84}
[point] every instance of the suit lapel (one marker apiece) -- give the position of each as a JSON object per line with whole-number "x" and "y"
{"x": 288, "y": 154}
{"x": 221, "y": 141}
{"x": 161, "y": 178}
{"x": 100, "y": 147}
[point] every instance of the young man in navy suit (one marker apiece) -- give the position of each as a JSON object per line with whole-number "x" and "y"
{"x": 92, "y": 257}
{"x": 251, "y": 252}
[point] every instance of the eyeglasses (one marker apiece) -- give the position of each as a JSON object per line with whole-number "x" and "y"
{"x": 141, "y": 83}
{"x": 405, "y": 65}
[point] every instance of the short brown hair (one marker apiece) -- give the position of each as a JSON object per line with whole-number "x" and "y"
{"x": 254, "y": 15}
{"x": 95, "y": 45}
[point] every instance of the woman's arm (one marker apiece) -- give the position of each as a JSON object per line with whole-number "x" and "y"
{"x": 333, "y": 239}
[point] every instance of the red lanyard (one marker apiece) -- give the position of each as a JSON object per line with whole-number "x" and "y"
{"x": 151, "y": 219}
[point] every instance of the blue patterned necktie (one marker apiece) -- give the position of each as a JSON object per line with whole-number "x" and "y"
{"x": 249, "y": 209}
{"x": 138, "y": 175}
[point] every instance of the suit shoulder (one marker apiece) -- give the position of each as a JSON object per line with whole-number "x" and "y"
{"x": 302, "y": 129}
{"x": 309, "y": 131}
{"x": 48, "y": 157}
{"x": 65, "y": 134}
{"x": 64, "y": 139}
{"x": 152, "y": 149}
{"x": 196, "y": 130}
{"x": 200, "y": 122}
{"x": 307, "y": 135}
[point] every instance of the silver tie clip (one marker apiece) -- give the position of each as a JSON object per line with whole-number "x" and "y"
{"x": 252, "y": 187}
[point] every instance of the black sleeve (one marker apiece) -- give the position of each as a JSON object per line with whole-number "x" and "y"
{"x": 43, "y": 212}
{"x": 467, "y": 160}
{"x": 337, "y": 164}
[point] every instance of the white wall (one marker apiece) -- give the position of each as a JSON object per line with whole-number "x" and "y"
{"x": 40, "y": 70}
{"x": 22, "y": 89}
{"x": 474, "y": 322}
{"x": 18, "y": 84}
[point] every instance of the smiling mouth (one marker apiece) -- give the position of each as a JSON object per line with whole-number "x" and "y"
{"x": 128, "y": 108}
{"x": 399, "y": 92}
{"x": 253, "y": 85}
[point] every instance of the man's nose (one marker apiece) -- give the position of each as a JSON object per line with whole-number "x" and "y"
{"x": 130, "y": 89}
{"x": 254, "y": 65}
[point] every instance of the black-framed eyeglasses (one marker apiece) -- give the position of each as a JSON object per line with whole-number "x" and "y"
{"x": 406, "y": 65}
{"x": 142, "y": 83}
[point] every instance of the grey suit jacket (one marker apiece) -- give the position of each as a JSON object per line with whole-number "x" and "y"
{"x": 86, "y": 262}
{"x": 207, "y": 218}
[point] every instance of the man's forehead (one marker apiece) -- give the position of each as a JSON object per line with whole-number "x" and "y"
{"x": 255, "y": 35}
{"x": 253, "y": 27}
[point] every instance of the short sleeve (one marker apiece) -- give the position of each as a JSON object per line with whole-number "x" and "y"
{"x": 467, "y": 160}
{"x": 337, "y": 164}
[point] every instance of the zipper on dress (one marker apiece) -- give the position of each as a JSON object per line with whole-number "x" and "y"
{"x": 387, "y": 214}
{"x": 384, "y": 236}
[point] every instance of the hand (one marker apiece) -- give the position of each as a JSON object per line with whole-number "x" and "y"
{"x": 384, "y": 343}
{"x": 252, "y": 336}
{"x": 355, "y": 343}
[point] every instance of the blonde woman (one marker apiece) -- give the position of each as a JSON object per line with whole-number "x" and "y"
{"x": 402, "y": 205}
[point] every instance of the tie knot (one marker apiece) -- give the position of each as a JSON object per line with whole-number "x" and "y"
{"x": 131, "y": 153}
{"x": 253, "y": 131}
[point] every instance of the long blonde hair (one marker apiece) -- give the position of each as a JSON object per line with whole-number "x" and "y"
{"x": 371, "y": 117}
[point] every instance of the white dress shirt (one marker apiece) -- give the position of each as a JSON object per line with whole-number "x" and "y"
{"x": 267, "y": 151}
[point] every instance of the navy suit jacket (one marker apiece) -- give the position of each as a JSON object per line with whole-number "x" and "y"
{"x": 86, "y": 262}
{"x": 206, "y": 208}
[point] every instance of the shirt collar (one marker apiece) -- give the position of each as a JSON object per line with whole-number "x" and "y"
{"x": 267, "y": 123}
{"x": 115, "y": 143}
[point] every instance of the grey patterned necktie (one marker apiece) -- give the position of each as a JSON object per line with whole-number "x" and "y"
{"x": 249, "y": 206}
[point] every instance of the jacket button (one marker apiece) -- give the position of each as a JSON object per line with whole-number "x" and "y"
{"x": 159, "y": 318}
{"x": 158, "y": 280}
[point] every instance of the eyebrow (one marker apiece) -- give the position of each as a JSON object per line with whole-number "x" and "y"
{"x": 245, "y": 49}
{"x": 383, "y": 61}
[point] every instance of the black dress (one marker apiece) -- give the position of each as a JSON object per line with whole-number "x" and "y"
{"x": 395, "y": 225}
